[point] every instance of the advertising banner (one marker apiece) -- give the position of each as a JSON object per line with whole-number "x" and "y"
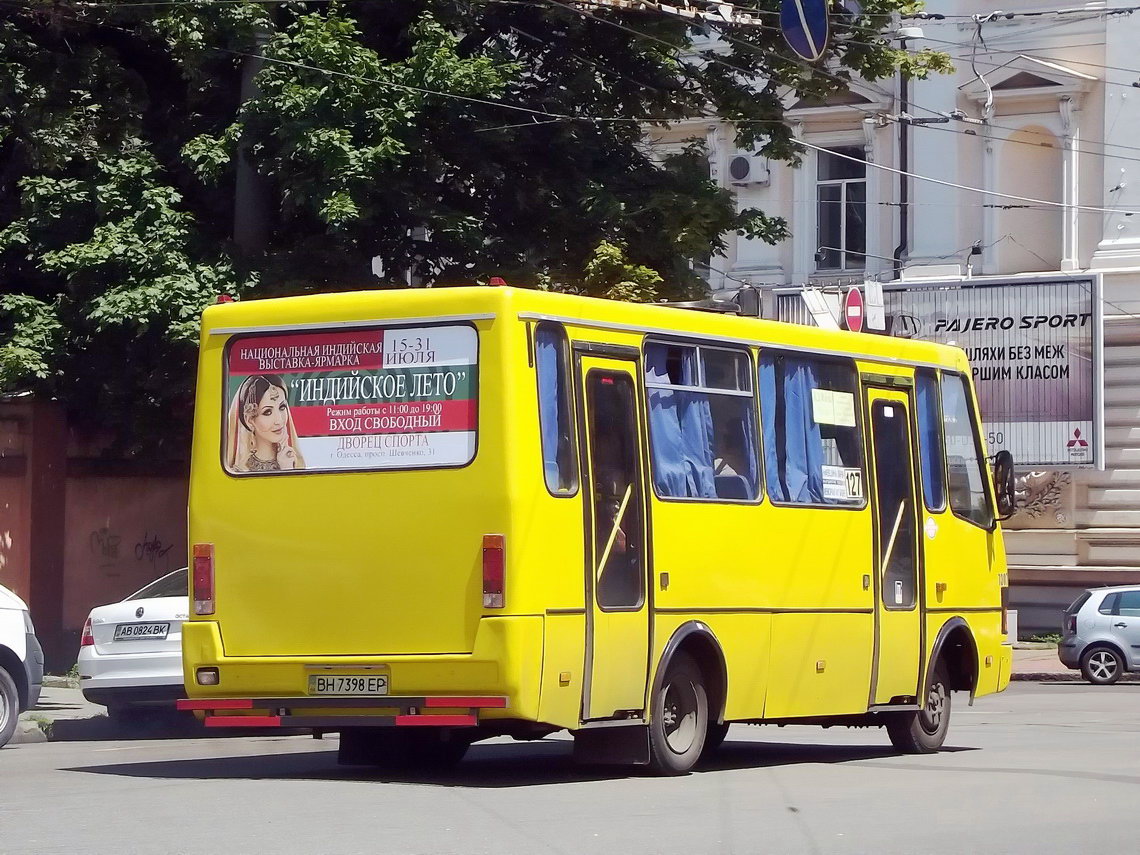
{"x": 358, "y": 399}
{"x": 1035, "y": 353}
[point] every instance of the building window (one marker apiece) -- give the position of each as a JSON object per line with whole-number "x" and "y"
{"x": 841, "y": 209}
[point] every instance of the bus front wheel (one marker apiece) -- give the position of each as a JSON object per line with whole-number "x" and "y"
{"x": 923, "y": 731}
{"x": 679, "y": 720}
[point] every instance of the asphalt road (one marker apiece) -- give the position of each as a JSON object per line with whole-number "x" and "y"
{"x": 1041, "y": 768}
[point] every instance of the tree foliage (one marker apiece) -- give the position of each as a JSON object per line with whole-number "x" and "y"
{"x": 451, "y": 139}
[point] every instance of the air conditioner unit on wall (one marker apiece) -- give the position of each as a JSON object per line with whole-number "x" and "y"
{"x": 746, "y": 168}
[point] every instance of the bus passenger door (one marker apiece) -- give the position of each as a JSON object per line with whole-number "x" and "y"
{"x": 898, "y": 618}
{"x": 617, "y": 615}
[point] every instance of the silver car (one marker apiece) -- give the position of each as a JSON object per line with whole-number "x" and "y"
{"x": 1100, "y": 634}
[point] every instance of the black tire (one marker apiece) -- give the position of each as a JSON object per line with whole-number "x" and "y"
{"x": 924, "y": 731}
{"x": 679, "y": 718}
{"x": 714, "y": 737}
{"x": 9, "y": 707}
{"x": 388, "y": 748}
{"x": 1101, "y": 665}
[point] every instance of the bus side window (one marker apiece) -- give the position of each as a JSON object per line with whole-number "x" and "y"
{"x": 932, "y": 456}
{"x": 552, "y": 365}
{"x": 965, "y": 475}
{"x": 812, "y": 450}
{"x": 702, "y": 422}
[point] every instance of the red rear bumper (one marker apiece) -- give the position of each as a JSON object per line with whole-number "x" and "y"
{"x": 290, "y": 712}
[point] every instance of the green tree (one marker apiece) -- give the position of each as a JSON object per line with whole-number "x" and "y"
{"x": 452, "y": 139}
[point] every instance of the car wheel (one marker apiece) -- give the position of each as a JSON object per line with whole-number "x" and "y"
{"x": 9, "y": 707}
{"x": 923, "y": 731}
{"x": 1102, "y": 666}
{"x": 679, "y": 718}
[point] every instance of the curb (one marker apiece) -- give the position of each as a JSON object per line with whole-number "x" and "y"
{"x": 1063, "y": 677}
{"x": 28, "y": 732}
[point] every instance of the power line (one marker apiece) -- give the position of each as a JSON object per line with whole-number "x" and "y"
{"x": 1038, "y": 13}
{"x": 988, "y": 124}
{"x": 1045, "y": 145}
{"x": 1053, "y": 59}
{"x": 963, "y": 187}
{"x": 640, "y": 34}
{"x": 994, "y": 193}
{"x": 991, "y": 124}
{"x": 1078, "y": 279}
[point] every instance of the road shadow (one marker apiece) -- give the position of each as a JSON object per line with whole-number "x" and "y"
{"x": 157, "y": 726}
{"x": 1131, "y": 681}
{"x": 539, "y": 763}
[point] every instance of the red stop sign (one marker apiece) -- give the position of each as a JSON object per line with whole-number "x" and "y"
{"x": 853, "y": 310}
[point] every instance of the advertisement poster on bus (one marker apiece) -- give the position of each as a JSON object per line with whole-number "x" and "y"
{"x": 326, "y": 400}
{"x": 1035, "y": 351}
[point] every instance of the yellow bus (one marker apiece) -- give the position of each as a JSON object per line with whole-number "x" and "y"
{"x": 423, "y": 518}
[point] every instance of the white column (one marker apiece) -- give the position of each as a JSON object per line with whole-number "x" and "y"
{"x": 1070, "y": 191}
{"x": 874, "y": 214}
{"x": 1120, "y": 236}
{"x": 934, "y": 208}
{"x": 803, "y": 214}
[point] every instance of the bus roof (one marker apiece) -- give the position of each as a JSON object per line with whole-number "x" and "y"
{"x": 354, "y": 308}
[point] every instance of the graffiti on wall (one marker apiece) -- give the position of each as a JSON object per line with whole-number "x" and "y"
{"x": 104, "y": 545}
{"x": 153, "y": 550}
{"x": 109, "y": 549}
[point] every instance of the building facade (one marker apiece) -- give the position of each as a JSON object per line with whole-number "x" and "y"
{"x": 1040, "y": 107}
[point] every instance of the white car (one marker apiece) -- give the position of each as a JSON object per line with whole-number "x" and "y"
{"x": 130, "y": 657}
{"x": 21, "y": 663}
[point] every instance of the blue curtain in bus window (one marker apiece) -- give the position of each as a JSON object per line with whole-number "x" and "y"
{"x": 680, "y": 428}
{"x": 793, "y": 446}
{"x": 930, "y": 442}
{"x": 548, "y": 363}
{"x": 750, "y": 451}
{"x": 772, "y": 454}
{"x": 803, "y": 463}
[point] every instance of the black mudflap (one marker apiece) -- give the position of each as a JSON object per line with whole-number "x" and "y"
{"x": 624, "y": 745}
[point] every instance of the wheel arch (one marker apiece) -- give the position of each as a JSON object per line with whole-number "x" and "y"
{"x": 11, "y": 663}
{"x": 956, "y": 646}
{"x": 1104, "y": 642}
{"x": 699, "y": 641}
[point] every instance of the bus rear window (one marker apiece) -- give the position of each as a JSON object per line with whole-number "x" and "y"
{"x": 333, "y": 400}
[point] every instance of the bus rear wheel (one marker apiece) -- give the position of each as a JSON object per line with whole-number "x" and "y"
{"x": 714, "y": 737}
{"x": 679, "y": 718}
{"x": 923, "y": 731}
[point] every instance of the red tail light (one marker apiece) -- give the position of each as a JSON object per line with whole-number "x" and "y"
{"x": 1005, "y": 611}
{"x": 1070, "y": 625}
{"x": 88, "y": 639}
{"x": 493, "y": 562}
{"x": 203, "y": 579}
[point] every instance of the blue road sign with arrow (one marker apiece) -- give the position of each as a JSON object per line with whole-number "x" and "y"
{"x": 805, "y": 26}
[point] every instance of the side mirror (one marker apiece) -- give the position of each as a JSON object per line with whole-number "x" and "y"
{"x": 1003, "y": 484}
